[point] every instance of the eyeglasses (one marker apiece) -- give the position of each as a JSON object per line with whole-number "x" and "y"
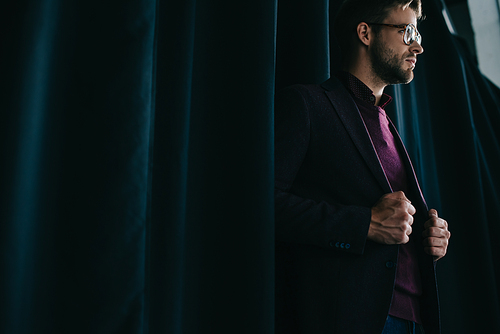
{"x": 411, "y": 33}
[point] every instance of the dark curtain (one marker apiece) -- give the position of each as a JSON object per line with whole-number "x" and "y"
{"x": 137, "y": 162}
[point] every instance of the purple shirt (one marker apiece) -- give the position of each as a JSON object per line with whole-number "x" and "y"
{"x": 407, "y": 290}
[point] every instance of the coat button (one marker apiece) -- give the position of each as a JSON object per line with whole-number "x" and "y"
{"x": 334, "y": 244}
{"x": 339, "y": 244}
{"x": 390, "y": 264}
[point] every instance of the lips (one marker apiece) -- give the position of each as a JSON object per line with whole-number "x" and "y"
{"x": 412, "y": 61}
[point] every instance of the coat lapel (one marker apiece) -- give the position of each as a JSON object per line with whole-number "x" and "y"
{"x": 412, "y": 176}
{"x": 348, "y": 112}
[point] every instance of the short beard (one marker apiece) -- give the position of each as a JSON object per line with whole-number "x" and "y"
{"x": 387, "y": 67}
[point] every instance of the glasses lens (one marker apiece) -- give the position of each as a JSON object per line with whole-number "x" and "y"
{"x": 418, "y": 37}
{"x": 411, "y": 34}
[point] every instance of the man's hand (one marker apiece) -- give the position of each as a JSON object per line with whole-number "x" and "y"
{"x": 436, "y": 235}
{"x": 391, "y": 220}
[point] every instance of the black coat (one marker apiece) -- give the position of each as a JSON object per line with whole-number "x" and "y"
{"x": 329, "y": 277}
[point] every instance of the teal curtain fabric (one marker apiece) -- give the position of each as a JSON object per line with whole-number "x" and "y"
{"x": 211, "y": 237}
{"x": 136, "y": 183}
{"x": 137, "y": 174}
{"x": 77, "y": 112}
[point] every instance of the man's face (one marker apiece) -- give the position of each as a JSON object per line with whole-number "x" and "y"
{"x": 392, "y": 60}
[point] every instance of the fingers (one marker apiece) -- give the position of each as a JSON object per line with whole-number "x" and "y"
{"x": 436, "y": 232}
{"x": 398, "y": 195}
{"x": 392, "y": 218}
{"x": 406, "y": 207}
{"x": 435, "y": 242}
{"x": 436, "y": 235}
{"x": 409, "y": 229}
{"x": 435, "y": 221}
{"x": 436, "y": 247}
{"x": 411, "y": 209}
{"x": 404, "y": 202}
{"x": 433, "y": 213}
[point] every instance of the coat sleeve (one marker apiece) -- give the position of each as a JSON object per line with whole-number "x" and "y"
{"x": 304, "y": 220}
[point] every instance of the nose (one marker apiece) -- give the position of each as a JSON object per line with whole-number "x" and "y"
{"x": 416, "y": 48}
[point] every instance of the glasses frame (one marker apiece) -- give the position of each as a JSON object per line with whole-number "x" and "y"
{"x": 416, "y": 36}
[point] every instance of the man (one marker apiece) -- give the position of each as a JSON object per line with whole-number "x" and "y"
{"x": 356, "y": 246}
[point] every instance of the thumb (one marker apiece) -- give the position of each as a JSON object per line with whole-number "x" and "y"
{"x": 433, "y": 213}
{"x": 398, "y": 195}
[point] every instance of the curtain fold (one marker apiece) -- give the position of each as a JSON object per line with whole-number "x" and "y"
{"x": 230, "y": 212}
{"x": 211, "y": 252}
{"x": 75, "y": 165}
{"x": 174, "y": 71}
{"x": 137, "y": 176}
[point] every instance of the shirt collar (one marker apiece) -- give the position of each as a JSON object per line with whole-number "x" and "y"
{"x": 361, "y": 91}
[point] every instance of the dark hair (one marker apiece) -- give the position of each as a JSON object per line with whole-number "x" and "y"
{"x": 353, "y": 12}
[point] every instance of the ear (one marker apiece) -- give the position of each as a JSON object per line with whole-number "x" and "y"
{"x": 363, "y": 31}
